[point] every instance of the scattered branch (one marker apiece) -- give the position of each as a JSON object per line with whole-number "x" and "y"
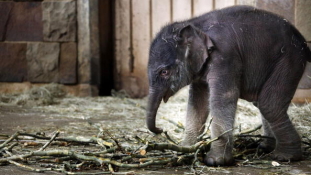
{"x": 49, "y": 142}
{"x": 200, "y": 137}
{"x": 173, "y": 147}
{"x": 248, "y": 131}
{"x": 28, "y": 167}
{"x": 178, "y": 125}
{"x": 109, "y": 155}
{"x": 254, "y": 136}
{"x": 77, "y": 139}
{"x": 169, "y": 138}
{"x": 14, "y": 136}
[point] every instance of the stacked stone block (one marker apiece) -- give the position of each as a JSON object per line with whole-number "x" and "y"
{"x": 38, "y": 41}
{"x": 13, "y": 64}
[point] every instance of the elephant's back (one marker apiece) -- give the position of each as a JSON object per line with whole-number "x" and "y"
{"x": 259, "y": 39}
{"x": 251, "y": 30}
{"x": 255, "y": 28}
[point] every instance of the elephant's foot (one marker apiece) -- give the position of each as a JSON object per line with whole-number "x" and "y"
{"x": 190, "y": 138}
{"x": 267, "y": 145}
{"x": 285, "y": 155}
{"x": 188, "y": 142}
{"x": 217, "y": 158}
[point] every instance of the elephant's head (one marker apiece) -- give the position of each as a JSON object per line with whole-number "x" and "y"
{"x": 177, "y": 56}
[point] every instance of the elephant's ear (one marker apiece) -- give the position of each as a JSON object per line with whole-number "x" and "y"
{"x": 186, "y": 34}
{"x": 208, "y": 42}
{"x": 190, "y": 34}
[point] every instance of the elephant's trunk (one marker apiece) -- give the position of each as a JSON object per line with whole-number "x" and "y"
{"x": 153, "y": 105}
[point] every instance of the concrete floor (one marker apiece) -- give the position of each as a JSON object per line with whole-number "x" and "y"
{"x": 13, "y": 118}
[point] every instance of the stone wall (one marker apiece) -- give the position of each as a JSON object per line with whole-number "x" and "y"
{"x": 39, "y": 44}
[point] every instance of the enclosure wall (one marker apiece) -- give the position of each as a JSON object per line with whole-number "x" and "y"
{"x": 137, "y": 22}
{"x": 49, "y": 41}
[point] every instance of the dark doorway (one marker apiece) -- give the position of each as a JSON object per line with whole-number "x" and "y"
{"x": 106, "y": 46}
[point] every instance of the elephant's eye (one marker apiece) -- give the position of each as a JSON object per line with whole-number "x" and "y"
{"x": 164, "y": 72}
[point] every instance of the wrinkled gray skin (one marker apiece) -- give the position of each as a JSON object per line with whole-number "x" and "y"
{"x": 237, "y": 52}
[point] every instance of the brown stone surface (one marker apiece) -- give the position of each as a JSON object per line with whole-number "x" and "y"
{"x": 59, "y": 20}
{"x": 302, "y": 96}
{"x": 42, "y": 61}
{"x": 84, "y": 63}
{"x": 68, "y": 63}
{"x": 88, "y": 44}
{"x": 135, "y": 86}
{"x": 25, "y": 23}
{"x": 285, "y": 8}
{"x": 13, "y": 64}
{"x": 305, "y": 82}
{"x": 5, "y": 9}
{"x": 303, "y": 18}
{"x": 12, "y": 88}
{"x": 246, "y": 2}
{"x": 82, "y": 90}
{"x": 87, "y": 90}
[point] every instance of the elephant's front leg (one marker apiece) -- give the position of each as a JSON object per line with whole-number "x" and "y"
{"x": 223, "y": 103}
{"x": 197, "y": 113}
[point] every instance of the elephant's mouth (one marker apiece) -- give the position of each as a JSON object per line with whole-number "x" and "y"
{"x": 167, "y": 95}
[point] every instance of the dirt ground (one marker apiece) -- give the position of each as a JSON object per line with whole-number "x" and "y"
{"x": 118, "y": 114}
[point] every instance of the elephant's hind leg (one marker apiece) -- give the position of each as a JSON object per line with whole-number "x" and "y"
{"x": 273, "y": 103}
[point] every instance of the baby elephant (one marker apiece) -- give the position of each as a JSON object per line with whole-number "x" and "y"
{"x": 237, "y": 52}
